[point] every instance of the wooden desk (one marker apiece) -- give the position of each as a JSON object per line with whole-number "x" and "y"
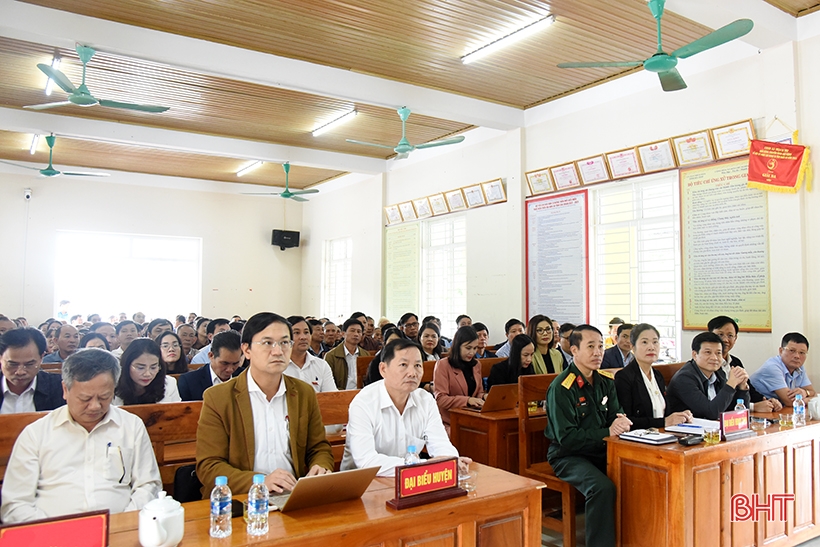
{"x": 681, "y": 496}
{"x": 505, "y": 510}
{"x": 490, "y": 438}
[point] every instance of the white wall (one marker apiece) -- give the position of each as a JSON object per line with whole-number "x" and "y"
{"x": 241, "y": 272}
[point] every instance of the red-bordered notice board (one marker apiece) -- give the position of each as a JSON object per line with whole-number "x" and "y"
{"x": 557, "y": 254}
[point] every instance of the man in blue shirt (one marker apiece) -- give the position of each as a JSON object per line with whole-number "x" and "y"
{"x": 783, "y": 376}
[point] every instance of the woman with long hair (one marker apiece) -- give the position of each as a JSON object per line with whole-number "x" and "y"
{"x": 546, "y": 358}
{"x": 519, "y": 363}
{"x": 457, "y": 378}
{"x": 143, "y": 379}
{"x": 429, "y": 336}
{"x": 173, "y": 356}
{"x": 94, "y": 340}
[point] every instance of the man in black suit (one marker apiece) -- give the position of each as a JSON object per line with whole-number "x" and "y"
{"x": 225, "y": 357}
{"x": 26, "y": 388}
{"x": 619, "y": 355}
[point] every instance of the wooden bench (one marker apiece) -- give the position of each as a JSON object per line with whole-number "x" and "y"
{"x": 334, "y": 407}
{"x": 532, "y": 453}
{"x": 361, "y": 369}
{"x": 11, "y": 425}
{"x": 669, "y": 370}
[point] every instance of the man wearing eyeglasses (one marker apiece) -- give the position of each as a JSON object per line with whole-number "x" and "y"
{"x": 783, "y": 375}
{"x": 26, "y": 388}
{"x": 262, "y": 421}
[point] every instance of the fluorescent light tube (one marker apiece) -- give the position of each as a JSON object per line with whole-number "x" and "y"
{"x": 335, "y": 123}
{"x": 34, "y": 142}
{"x": 55, "y": 64}
{"x": 511, "y": 38}
{"x": 248, "y": 168}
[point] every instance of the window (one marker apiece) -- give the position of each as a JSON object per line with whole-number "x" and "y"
{"x": 336, "y": 278}
{"x": 109, "y": 273}
{"x": 636, "y": 256}
{"x": 444, "y": 270}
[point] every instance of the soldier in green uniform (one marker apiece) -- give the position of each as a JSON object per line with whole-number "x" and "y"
{"x": 583, "y": 409}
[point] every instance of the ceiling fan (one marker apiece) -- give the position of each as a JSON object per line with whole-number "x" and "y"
{"x": 404, "y": 147}
{"x": 50, "y": 171}
{"x": 295, "y": 195}
{"x": 81, "y": 96}
{"x": 664, "y": 63}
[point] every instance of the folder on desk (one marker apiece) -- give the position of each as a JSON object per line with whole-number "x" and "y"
{"x": 648, "y": 437}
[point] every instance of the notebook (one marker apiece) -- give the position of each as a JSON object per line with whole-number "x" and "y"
{"x": 500, "y": 397}
{"x": 648, "y": 437}
{"x": 694, "y": 428}
{"x": 324, "y": 489}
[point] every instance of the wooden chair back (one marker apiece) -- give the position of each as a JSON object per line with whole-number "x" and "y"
{"x": 669, "y": 370}
{"x": 334, "y": 405}
{"x": 361, "y": 369}
{"x": 532, "y": 444}
{"x": 11, "y": 425}
{"x": 487, "y": 365}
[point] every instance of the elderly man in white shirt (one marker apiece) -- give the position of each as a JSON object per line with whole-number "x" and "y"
{"x": 304, "y": 366}
{"x": 87, "y": 455}
{"x": 389, "y": 415}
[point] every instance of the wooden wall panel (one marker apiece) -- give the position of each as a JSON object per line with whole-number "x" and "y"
{"x": 649, "y": 486}
{"x": 805, "y": 485}
{"x": 504, "y": 532}
{"x": 707, "y": 514}
{"x": 775, "y": 466}
{"x": 742, "y": 473}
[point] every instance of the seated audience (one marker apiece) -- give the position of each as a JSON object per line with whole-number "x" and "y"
{"x": 727, "y": 329}
{"x": 329, "y": 333}
{"x": 127, "y": 332}
{"x": 546, "y": 359}
{"x": 373, "y": 371}
{"x": 388, "y": 416}
{"x": 783, "y": 376}
{"x": 342, "y": 358}
{"x": 157, "y": 327}
{"x": 619, "y": 355}
{"x": 138, "y": 318}
{"x": 512, "y": 328}
{"x": 87, "y": 455}
{"x": 316, "y": 337}
{"x": 26, "y": 388}
{"x": 367, "y": 337}
{"x": 109, "y": 331}
{"x": 214, "y": 327}
{"x": 144, "y": 379}
{"x": 201, "y": 327}
{"x": 457, "y": 378}
{"x": 51, "y": 339}
{"x": 187, "y": 336}
{"x": 409, "y": 325}
{"x": 612, "y": 339}
{"x": 482, "y": 351}
{"x": 464, "y": 321}
{"x": 287, "y": 438}
{"x": 94, "y": 340}
{"x": 519, "y": 363}
{"x": 6, "y": 324}
{"x": 304, "y": 366}
{"x": 68, "y": 339}
{"x": 641, "y": 389}
{"x": 429, "y": 338}
{"x": 178, "y": 321}
{"x": 701, "y": 387}
{"x": 225, "y": 358}
{"x": 564, "y": 331}
{"x": 173, "y": 358}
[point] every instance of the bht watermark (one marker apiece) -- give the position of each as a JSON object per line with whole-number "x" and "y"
{"x": 746, "y": 507}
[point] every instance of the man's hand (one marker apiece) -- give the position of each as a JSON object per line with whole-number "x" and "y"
{"x": 767, "y": 405}
{"x": 678, "y": 418}
{"x": 280, "y": 481}
{"x": 464, "y": 464}
{"x": 620, "y": 425}
{"x": 317, "y": 470}
{"x": 737, "y": 377}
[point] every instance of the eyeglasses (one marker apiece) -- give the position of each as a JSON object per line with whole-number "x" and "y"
{"x": 270, "y": 344}
{"x": 173, "y": 345}
{"x": 26, "y": 366}
{"x": 543, "y": 331}
{"x": 416, "y": 324}
{"x": 142, "y": 368}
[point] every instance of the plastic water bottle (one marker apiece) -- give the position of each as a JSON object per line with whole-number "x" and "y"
{"x": 221, "y": 509}
{"x": 258, "y": 507}
{"x": 411, "y": 457}
{"x": 740, "y": 405}
{"x": 799, "y": 411}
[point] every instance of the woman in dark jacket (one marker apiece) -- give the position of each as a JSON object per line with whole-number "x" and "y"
{"x": 518, "y": 364}
{"x": 641, "y": 389}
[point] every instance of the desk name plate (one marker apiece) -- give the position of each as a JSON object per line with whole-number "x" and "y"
{"x": 424, "y": 483}
{"x": 735, "y": 425}
{"x": 82, "y": 529}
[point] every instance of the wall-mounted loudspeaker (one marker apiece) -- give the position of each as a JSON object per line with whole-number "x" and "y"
{"x": 285, "y": 239}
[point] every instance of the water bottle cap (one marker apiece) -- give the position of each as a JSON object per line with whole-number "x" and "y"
{"x": 259, "y": 479}
{"x": 221, "y": 480}
{"x": 411, "y": 448}
{"x": 798, "y": 397}
{"x": 740, "y": 401}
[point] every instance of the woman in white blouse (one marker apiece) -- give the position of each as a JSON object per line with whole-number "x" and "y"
{"x": 143, "y": 379}
{"x": 641, "y": 389}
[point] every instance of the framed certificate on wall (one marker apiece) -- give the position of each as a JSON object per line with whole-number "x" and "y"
{"x": 657, "y": 156}
{"x": 540, "y": 181}
{"x": 733, "y": 140}
{"x": 392, "y": 213}
{"x": 623, "y": 163}
{"x": 474, "y": 196}
{"x": 455, "y": 200}
{"x": 593, "y": 169}
{"x": 693, "y": 148}
{"x": 565, "y": 176}
{"x": 494, "y": 191}
{"x": 423, "y": 209}
{"x": 407, "y": 211}
{"x": 438, "y": 204}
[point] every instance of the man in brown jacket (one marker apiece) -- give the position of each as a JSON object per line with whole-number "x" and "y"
{"x": 342, "y": 358}
{"x": 262, "y": 421}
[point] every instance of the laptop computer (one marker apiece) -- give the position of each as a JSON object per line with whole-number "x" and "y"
{"x": 324, "y": 489}
{"x": 500, "y": 397}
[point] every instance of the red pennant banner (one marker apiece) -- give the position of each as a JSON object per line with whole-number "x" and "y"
{"x": 777, "y": 167}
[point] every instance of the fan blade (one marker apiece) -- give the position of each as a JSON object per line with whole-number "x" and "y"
{"x": 722, "y": 35}
{"x": 311, "y": 191}
{"x": 402, "y": 156}
{"x": 602, "y": 64}
{"x": 57, "y": 77}
{"x": 369, "y": 144}
{"x": 443, "y": 142}
{"x": 297, "y": 198}
{"x": 20, "y": 166}
{"x": 131, "y": 106}
{"x": 66, "y": 173}
{"x": 671, "y": 80}
{"x": 47, "y": 105}
{"x": 261, "y": 193}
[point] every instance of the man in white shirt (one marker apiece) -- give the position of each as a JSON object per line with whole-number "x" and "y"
{"x": 87, "y": 455}
{"x": 225, "y": 357}
{"x": 308, "y": 368}
{"x": 342, "y": 358}
{"x": 214, "y": 327}
{"x": 512, "y": 328}
{"x": 110, "y": 333}
{"x": 24, "y": 387}
{"x": 389, "y": 415}
{"x": 127, "y": 332}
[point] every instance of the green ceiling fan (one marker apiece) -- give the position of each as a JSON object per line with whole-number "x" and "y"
{"x": 295, "y": 195}
{"x": 81, "y": 96}
{"x": 50, "y": 171}
{"x": 404, "y": 147}
{"x": 664, "y": 63}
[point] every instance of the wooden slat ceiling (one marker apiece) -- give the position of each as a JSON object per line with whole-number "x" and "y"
{"x": 419, "y": 42}
{"x": 90, "y": 154}
{"x": 207, "y": 104}
{"x": 796, "y": 8}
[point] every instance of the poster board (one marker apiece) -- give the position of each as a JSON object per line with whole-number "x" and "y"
{"x": 724, "y": 246}
{"x": 557, "y": 251}
{"x": 402, "y": 268}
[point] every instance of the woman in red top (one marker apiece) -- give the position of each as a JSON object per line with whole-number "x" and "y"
{"x": 457, "y": 378}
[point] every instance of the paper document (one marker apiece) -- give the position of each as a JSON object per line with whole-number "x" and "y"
{"x": 696, "y": 427}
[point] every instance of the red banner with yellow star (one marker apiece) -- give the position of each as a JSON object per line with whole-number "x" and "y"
{"x": 777, "y": 167}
